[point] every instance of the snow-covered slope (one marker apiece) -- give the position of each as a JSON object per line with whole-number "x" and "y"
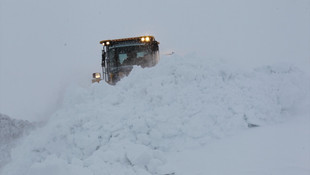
{"x": 10, "y": 131}
{"x": 183, "y": 103}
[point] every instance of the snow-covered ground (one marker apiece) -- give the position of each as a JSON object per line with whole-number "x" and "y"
{"x": 10, "y": 132}
{"x": 187, "y": 115}
{"x": 282, "y": 149}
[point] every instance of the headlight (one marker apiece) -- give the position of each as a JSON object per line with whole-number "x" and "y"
{"x": 96, "y": 75}
{"x": 103, "y": 44}
{"x": 142, "y": 39}
{"x": 147, "y": 39}
{"x": 107, "y": 43}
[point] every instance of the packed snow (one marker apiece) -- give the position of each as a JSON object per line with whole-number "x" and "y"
{"x": 10, "y": 132}
{"x": 180, "y": 117}
{"x": 282, "y": 149}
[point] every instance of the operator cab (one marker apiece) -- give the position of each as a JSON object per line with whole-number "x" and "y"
{"x": 120, "y": 55}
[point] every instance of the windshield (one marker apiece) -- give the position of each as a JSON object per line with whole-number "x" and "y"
{"x": 129, "y": 55}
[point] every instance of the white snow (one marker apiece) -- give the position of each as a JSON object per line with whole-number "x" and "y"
{"x": 282, "y": 149}
{"x": 10, "y": 132}
{"x": 237, "y": 64}
{"x": 183, "y": 116}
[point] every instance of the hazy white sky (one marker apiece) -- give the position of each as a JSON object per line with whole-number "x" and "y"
{"x": 47, "y": 45}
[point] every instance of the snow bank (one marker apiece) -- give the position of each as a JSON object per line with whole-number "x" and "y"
{"x": 182, "y": 103}
{"x": 10, "y": 131}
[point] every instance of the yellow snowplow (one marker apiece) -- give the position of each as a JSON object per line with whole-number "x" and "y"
{"x": 120, "y": 55}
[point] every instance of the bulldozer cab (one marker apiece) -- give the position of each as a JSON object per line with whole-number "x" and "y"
{"x": 119, "y": 56}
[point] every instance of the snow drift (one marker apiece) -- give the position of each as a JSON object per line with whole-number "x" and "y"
{"x": 10, "y": 131}
{"x": 182, "y": 103}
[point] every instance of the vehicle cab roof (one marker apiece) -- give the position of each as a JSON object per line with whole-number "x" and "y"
{"x": 138, "y": 39}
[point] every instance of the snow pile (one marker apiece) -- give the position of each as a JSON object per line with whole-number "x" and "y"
{"x": 10, "y": 131}
{"x": 182, "y": 103}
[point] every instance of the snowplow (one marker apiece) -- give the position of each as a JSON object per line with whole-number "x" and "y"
{"x": 119, "y": 56}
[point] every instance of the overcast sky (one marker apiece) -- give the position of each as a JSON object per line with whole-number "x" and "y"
{"x": 48, "y": 45}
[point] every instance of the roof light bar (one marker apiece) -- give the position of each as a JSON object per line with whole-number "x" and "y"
{"x": 141, "y": 39}
{"x": 145, "y": 39}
